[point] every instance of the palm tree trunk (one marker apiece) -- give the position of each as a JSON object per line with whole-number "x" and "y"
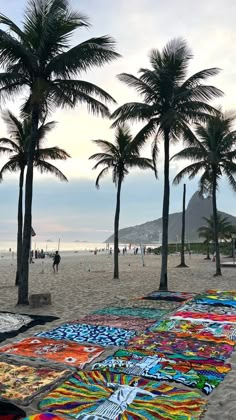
{"x": 116, "y": 231}
{"x": 215, "y": 218}
{"x": 165, "y": 214}
{"x": 182, "y": 260}
{"x": 208, "y": 251}
{"x": 24, "y": 272}
{"x": 20, "y": 226}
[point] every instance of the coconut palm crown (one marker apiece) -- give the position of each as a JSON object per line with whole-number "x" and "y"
{"x": 119, "y": 157}
{"x": 170, "y": 103}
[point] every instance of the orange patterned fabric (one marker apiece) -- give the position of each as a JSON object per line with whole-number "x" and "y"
{"x": 65, "y": 352}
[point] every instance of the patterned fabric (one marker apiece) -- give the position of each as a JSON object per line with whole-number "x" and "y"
{"x": 105, "y": 336}
{"x": 109, "y": 396}
{"x": 172, "y": 343}
{"x": 175, "y": 296}
{"x": 12, "y": 324}
{"x": 217, "y": 297}
{"x": 10, "y": 411}
{"x": 21, "y": 384}
{"x": 195, "y": 375}
{"x": 209, "y": 329}
{"x": 42, "y": 416}
{"x": 59, "y": 351}
{"x": 136, "y": 312}
{"x": 129, "y": 322}
{"x": 206, "y": 313}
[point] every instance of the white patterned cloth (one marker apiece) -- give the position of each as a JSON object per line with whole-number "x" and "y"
{"x": 12, "y": 322}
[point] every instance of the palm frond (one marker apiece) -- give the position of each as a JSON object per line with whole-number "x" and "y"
{"x": 134, "y": 111}
{"x": 52, "y": 153}
{"x": 190, "y": 171}
{"x": 46, "y": 167}
{"x": 100, "y": 176}
{"x": 94, "y": 52}
{"x": 200, "y": 76}
{"x": 10, "y": 144}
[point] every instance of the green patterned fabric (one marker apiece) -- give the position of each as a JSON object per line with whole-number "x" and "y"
{"x": 137, "y": 312}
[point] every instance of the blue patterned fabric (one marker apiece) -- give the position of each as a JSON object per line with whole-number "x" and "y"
{"x": 98, "y": 334}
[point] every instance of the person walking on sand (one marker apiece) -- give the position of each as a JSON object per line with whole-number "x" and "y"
{"x": 56, "y": 262}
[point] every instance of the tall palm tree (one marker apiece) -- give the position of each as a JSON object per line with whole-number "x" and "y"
{"x": 119, "y": 156}
{"x": 37, "y": 60}
{"x": 170, "y": 104}
{"x": 16, "y": 146}
{"x": 212, "y": 151}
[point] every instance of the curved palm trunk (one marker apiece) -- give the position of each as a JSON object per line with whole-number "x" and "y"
{"x": 24, "y": 272}
{"x": 215, "y": 217}
{"x": 20, "y": 226}
{"x": 165, "y": 214}
{"x": 116, "y": 231}
{"x": 182, "y": 260}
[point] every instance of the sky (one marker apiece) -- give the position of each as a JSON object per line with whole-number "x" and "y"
{"x": 76, "y": 210}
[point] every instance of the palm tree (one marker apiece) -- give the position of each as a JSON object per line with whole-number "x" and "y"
{"x": 36, "y": 59}
{"x": 120, "y": 157}
{"x": 225, "y": 230}
{"x": 16, "y": 146}
{"x": 170, "y": 103}
{"x": 212, "y": 151}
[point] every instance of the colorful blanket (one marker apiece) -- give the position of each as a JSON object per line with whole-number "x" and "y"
{"x": 10, "y": 411}
{"x": 128, "y": 322}
{"x": 210, "y": 329}
{"x": 106, "y": 395}
{"x": 195, "y": 375}
{"x": 80, "y": 333}
{"x": 12, "y": 324}
{"x": 204, "y": 312}
{"x": 172, "y": 296}
{"x": 172, "y": 343}
{"x": 217, "y": 297}
{"x": 21, "y": 384}
{"x": 66, "y": 352}
{"x": 136, "y": 312}
{"x": 43, "y": 416}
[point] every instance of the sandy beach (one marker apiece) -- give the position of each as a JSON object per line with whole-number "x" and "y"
{"x": 85, "y": 283}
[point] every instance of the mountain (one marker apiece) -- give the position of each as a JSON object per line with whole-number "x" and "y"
{"x": 150, "y": 232}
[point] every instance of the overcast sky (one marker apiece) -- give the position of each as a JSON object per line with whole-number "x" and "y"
{"x": 76, "y": 210}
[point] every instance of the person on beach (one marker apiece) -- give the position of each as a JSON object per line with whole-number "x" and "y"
{"x": 56, "y": 261}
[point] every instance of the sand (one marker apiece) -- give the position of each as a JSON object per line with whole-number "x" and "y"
{"x": 85, "y": 283}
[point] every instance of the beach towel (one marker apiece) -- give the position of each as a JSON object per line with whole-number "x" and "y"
{"x": 163, "y": 305}
{"x": 170, "y": 296}
{"x": 110, "y": 396}
{"x": 128, "y": 322}
{"x": 21, "y": 384}
{"x": 65, "y": 352}
{"x": 171, "y": 343}
{"x": 194, "y": 375}
{"x": 44, "y": 416}
{"x": 204, "y": 312}
{"x": 12, "y": 324}
{"x": 210, "y": 329}
{"x": 105, "y": 336}
{"x": 10, "y": 411}
{"x": 136, "y": 312}
{"x": 217, "y": 297}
